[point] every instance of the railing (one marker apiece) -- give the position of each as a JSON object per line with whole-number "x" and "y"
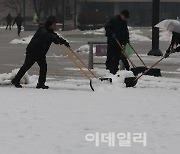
{"x": 101, "y": 50}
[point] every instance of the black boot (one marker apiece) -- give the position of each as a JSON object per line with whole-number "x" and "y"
{"x": 16, "y": 84}
{"x": 42, "y": 86}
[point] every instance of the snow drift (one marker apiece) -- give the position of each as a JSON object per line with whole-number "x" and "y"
{"x": 5, "y": 79}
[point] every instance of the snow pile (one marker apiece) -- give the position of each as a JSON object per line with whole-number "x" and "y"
{"x": 24, "y": 40}
{"x": 85, "y": 49}
{"x": 117, "y": 80}
{"x": 5, "y": 79}
{"x": 95, "y": 32}
{"x": 2, "y": 27}
{"x": 165, "y": 36}
{"x": 137, "y": 35}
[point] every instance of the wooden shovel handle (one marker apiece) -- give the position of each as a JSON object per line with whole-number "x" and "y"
{"x": 75, "y": 62}
{"x": 83, "y": 63}
{"x": 150, "y": 68}
{"x": 138, "y": 56}
{"x": 124, "y": 53}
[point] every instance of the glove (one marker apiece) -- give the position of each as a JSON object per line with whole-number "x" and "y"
{"x": 114, "y": 36}
{"x": 166, "y": 55}
{"x": 67, "y": 44}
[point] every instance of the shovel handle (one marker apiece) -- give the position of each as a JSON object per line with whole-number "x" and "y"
{"x": 124, "y": 53}
{"x": 138, "y": 55}
{"x": 150, "y": 68}
{"x": 75, "y": 62}
{"x": 82, "y": 62}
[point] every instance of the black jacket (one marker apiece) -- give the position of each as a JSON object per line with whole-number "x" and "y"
{"x": 119, "y": 27}
{"x": 42, "y": 40}
{"x": 18, "y": 20}
{"x": 175, "y": 38}
{"x": 9, "y": 19}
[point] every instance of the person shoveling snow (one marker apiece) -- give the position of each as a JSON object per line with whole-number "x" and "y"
{"x": 175, "y": 44}
{"x": 117, "y": 30}
{"x": 37, "y": 49}
{"x": 174, "y": 27}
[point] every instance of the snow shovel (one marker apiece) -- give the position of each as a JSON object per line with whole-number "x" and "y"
{"x": 124, "y": 53}
{"x": 132, "y": 81}
{"x": 135, "y": 70}
{"x": 83, "y": 71}
{"x": 101, "y": 79}
{"x": 153, "y": 72}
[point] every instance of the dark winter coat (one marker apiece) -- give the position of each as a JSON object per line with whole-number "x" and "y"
{"x": 18, "y": 20}
{"x": 119, "y": 27}
{"x": 42, "y": 40}
{"x": 175, "y": 38}
{"x": 9, "y": 19}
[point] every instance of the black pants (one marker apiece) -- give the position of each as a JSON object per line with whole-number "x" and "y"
{"x": 114, "y": 55}
{"x": 29, "y": 62}
{"x": 113, "y": 64}
{"x": 8, "y": 25}
{"x": 177, "y": 49}
{"x": 19, "y": 29}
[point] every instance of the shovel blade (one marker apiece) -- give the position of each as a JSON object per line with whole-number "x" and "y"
{"x": 130, "y": 81}
{"x": 100, "y": 80}
{"x": 152, "y": 72}
{"x": 106, "y": 79}
{"x": 138, "y": 70}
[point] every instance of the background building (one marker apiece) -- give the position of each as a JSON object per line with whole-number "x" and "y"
{"x": 140, "y": 10}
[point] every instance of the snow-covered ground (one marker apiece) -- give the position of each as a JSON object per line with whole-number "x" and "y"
{"x": 24, "y": 40}
{"x": 57, "y": 120}
{"x": 2, "y": 27}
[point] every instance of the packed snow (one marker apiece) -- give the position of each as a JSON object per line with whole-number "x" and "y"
{"x": 85, "y": 49}
{"x": 24, "y": 40}
{"x": 57, "y": 120}
{"x": 5, "y": 79}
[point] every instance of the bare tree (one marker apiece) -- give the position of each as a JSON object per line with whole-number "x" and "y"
{"x": 15, "y": 5}
{"x": 43, "y": 6}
